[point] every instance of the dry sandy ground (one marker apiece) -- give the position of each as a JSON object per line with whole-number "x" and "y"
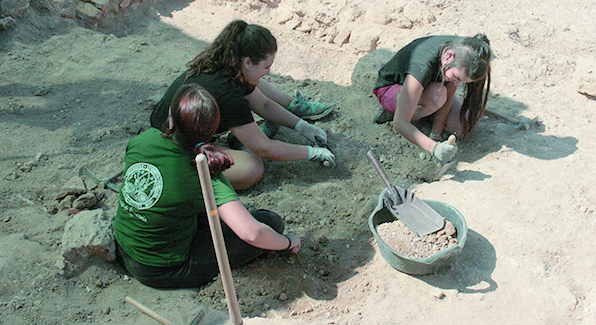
{"x": 72, "y": 97}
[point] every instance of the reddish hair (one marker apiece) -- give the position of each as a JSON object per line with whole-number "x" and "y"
{"x": 194, "y": 118}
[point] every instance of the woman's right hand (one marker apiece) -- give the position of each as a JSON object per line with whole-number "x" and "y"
{"x": 295, "y": 243}
{"x": 445, "y": 151}
{"x": 323, "y": 155}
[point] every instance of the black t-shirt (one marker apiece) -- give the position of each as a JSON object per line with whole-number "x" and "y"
{"x": 420, "y": 58}
{"x": 233, "y": 106}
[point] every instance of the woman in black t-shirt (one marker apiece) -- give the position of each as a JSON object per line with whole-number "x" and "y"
{"x": 231, "y": 69}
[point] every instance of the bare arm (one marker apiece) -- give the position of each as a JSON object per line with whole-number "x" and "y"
{"x": 407, "y": 103}
{"x": 441, "y": 115}
{"x": 256, "y": 141}
{"x": 250, "y": 230}
{"x": 270, "y": 110}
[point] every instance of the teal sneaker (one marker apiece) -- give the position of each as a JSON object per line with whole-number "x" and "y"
{"x": 269, "y": 128}
{"x": 307, "y": 109}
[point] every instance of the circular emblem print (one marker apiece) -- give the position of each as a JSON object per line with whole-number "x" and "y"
{"x": 143, "y": 185}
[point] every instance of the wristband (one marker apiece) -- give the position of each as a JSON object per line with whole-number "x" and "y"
{"x": 290, "y": 244}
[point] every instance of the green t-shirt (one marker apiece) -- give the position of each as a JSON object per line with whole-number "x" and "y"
{"x": 420, "y": 58}
{"x": 161, "y": 200}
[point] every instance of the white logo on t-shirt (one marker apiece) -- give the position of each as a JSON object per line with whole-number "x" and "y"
{"x": 143, "y": 186}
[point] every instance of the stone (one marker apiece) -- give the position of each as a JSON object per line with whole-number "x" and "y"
{"x": 89, "y": 233}
{"x": 364, "y": 39}
{"x": 100, "y": 4}
{"x": 7, "y": 22}
{"x": 66, "y": 202}
{"x": 438, "y": 293}
{"x": 284, "y": 15}
{"x": 85, "y": 201}
{"x": 74, "y": 186}
{"x": 342, "y": 38}
{"x": 378, "y": 16}
{"x": 293, "y": 23}
{"x": 88, "y": 9}
{"x": 585, "y": 74}
{"x": 417, "y": 12}
{"x": 124, "y": 4}
{"x": 449, "y": 229}
{"x": 11, "y": 176}
{"x": 401, "y": 21}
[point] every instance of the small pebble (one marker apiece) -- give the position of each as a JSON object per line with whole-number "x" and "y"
{"x": 439, "y": 294}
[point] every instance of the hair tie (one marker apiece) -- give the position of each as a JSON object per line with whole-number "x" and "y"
{"x": 199, "y": 144}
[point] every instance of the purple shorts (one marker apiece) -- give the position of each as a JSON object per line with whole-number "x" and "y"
{"x": 388, "y": 97}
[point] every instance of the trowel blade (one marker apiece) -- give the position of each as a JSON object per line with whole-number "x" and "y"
{"x": 444, "y": 169}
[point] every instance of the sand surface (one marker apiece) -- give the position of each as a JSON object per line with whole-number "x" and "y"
{"x": 71, "y": 96}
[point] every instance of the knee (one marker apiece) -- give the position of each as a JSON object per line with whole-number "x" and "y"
{"x": 253, "y": 173}
{"x": 247, "y": 170}
{"x": 437, "y": 94}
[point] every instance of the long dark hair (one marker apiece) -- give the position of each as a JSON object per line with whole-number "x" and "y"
{"x": 194, "y": 118}
{"x": 236, "y": 41}
{"x": 472, "y": 56}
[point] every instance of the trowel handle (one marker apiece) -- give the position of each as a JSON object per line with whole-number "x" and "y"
{"x": 451, "y": 140}
{"x": 381, "y": 171}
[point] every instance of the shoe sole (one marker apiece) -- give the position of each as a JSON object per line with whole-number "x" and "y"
{"x": 317, "y": 116}
{"x": 383, "y": 117}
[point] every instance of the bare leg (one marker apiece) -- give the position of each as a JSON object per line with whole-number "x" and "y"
{"x": 453, "y": 125}
{"x": 246, "y": 170}
{"x": 275, "y": 94}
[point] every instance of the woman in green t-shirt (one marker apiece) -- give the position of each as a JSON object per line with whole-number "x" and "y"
{"x": 420, "y": 81}
{"x": 161, "y": 226}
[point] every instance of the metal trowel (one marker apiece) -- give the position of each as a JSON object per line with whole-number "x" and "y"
{"x": 443, "y": 167}
{"x": 405, "y": 206}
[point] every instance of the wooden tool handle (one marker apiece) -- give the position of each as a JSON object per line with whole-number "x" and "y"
{"x": 501, "y": 115}
{"x": 451, "y": 140}
{"x": 218, "y": 239}
{"x": 148, "y": 311}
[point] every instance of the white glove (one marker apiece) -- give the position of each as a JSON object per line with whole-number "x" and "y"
{"x": 311, "y": 132}
{"x": 444, "y": 151}
{"x": 323, "y": 155}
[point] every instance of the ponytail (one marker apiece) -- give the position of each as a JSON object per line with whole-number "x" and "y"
{"x": 217, "y": 159}
{"x": 194, "y": 117}
{"x": 472, "y": 56}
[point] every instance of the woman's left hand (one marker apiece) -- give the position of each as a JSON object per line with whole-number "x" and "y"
{"x": 295, "y": 243}
{"x": 311, "y": 132}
